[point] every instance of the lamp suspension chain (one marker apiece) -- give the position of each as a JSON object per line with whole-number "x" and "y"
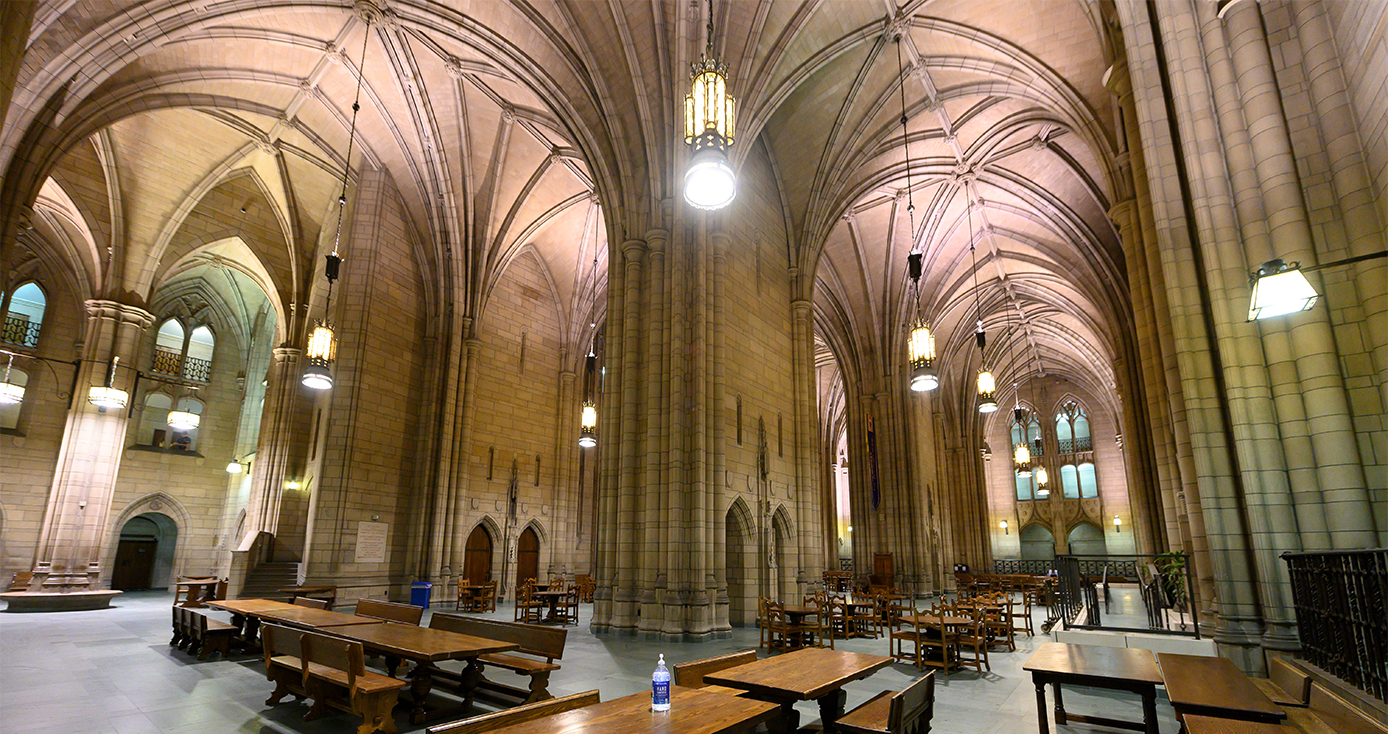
{"x": 920, "y": 346}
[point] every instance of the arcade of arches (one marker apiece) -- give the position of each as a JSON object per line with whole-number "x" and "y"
{"x": 1088, "y": 181}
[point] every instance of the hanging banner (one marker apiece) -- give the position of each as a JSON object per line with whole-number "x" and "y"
{"x": 872, "y": 463}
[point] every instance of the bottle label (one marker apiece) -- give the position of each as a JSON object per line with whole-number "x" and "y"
{"x": 660, "y": 692}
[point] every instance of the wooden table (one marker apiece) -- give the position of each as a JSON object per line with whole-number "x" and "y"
{"x": 552, "y": 599}
{"x": 1210, "y": 725}
{"x": 313, "y": 619}
{"x": 470, "y": 598}
{"x": 1116, "y": 668}
{"x": 692, "y": 711}
{"x": 243, "y": 617}
{"x": 811, "y": 674}
{"x": 424, "y": 646}
{"x": 1210, "y": 686}
{"x": 944, "y": 620}
{"x": 196, "y": 592}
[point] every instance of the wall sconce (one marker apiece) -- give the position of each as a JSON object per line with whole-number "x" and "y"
{"x": 1280, "y": 288}
{"x": 1117, "y": 524}
{"x": 1003, "y": 525}
{"x": 291, "y": 484}
{"x": 235, "y": 467}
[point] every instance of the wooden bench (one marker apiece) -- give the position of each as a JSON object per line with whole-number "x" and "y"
{"x": 903, "y": 712}
{"x": 528, "y": 712}
{"x": 534, "y": 640}
{"x": 1286, "y": 684}
{"x": 389, "y": 611}
{"x": 1329, "y": 712}
{"x": 332, "y": 672}
{"x": 309, "y": 602}
{"x": 691, "y": 674}
{"x": 195, "y": 632}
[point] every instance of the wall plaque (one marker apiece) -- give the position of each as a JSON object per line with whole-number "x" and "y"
{"x": 371, "y": 542}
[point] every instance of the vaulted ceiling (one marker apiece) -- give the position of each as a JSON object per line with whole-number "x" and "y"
{"x": 522, "y": 125}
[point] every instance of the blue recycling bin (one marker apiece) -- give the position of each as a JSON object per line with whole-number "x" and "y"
{"x": 420, "y": 592}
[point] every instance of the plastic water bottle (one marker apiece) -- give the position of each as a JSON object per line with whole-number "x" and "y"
{"x": 660, "y": 687}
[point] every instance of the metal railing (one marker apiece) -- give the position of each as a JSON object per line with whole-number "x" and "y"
{"x": 199, "y": 370}
{"x": 21, "y": 332}
{"x": 1022, "y": 566}
{"x": 1081, "y": 577}
{"x": 167, "y": 361}
{"x": 1340, "y": 599}
{"x": 1076, "y": 445}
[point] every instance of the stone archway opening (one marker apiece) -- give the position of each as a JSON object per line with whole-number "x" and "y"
{"x": 740, "y": 564}
{"x": 1086, "y": 539}
{"x": 145, "y": 552}
{"x": 1038, "y": 544}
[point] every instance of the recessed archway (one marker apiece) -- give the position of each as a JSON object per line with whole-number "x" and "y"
{"x": 145, "y": 552}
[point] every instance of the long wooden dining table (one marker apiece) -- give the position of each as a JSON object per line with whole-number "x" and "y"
{"x": 692, "y": 711}
{"x": 244, "y": 619}
{"x": 425, "y": 646}
{"x": 811, "y": 674}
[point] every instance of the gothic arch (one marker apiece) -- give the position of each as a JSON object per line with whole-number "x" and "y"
{"x": 154, "y": 502}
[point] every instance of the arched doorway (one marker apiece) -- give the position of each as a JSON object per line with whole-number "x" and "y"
{"x": 527, "y": 556}
{"x": 1086, "y": 540}
{"x": 477, "y": 557}
{"x": 1037, "y": 543}
{"x": 145, "y": 552}
{"x": 740, "y": 564}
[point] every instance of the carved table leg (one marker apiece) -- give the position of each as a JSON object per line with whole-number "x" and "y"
{"x": 1059, "y": 705}
{"x": 1041, "y": 705}
{"x": 420, "y": 684}
{"x": 467, "y": 682}
{"x": 831, "y": 708}
{"x": 787, "y": 721}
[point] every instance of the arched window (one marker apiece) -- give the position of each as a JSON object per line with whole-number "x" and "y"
{"x": 1088, "y": 484}
{"x": 9, "y": 412}
{"x": 1072, "y": 429}
{"x": 23, "y": 311}
{"x": 154, "y": 421}
{"x": 181, "y": 353}
{"x": 1069, "y": 481}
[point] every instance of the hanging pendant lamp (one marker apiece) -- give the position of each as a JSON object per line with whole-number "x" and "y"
{"x": 920, "y": 344}
{"x": 321, "y": 350}
{"x": 10, "y": 393}
{"x": 709, "y": 117}
{"x": 107, "y": 395}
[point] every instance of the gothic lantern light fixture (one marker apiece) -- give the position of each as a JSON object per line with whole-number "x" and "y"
{"x": 1280, "y": 288}
{"x": 10, "y": 393}
{"x": 1042, "y": 479}
{"x": 322, "y": 342}
{"x": 920, "y": 346}
{"x": 709, "y": 182}
{"x": 107, "y": 396}
{"x": 987, "y": 386}
{"x": 1021, "y": 455}
{"x": 588, "y": 417}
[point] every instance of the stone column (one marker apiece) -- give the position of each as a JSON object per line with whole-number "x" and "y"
{"x": 461, "y": 476}
{"x": 1310, "y": 342}
{"x": 806, "y": 447}
{"x": 70, "y": 544}
{"x": 282, "y": 446}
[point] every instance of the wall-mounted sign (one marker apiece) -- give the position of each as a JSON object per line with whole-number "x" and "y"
{"x": 371, "y": 542}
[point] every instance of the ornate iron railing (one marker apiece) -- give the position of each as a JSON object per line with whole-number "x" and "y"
{"x": 1076, "y": 445}
{"x": 167, "y": 361}
{"x": 1340, "y": 599}
{"x": 196, "y": 369}
{"x": 1023, "y": 566}
{"x": 1078, "y": 597}
{"x": 21, "y": 332}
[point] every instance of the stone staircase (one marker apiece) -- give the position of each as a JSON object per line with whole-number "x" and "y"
{"x": 265, "y": 580}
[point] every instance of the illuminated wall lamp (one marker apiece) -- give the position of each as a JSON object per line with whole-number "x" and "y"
{"x": 1117, "y": 524}
{"x": 1003, "y": 525}
{"x": 235, "y": 467}
{"x": 1280, "y": 288}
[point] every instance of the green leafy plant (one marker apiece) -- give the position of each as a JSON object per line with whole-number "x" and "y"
{"x": 1172, "y": 567}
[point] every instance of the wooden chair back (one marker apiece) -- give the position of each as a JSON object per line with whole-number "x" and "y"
{"x": 1292, "y": 680}
{"x": 913, "y": 708}
{"x": 516, "y": 715}
{"x": 20, "y": 580}
{"x": 389, "y": 611}
{"x": 311, "y": 603}
{"x": 691, "y": 674}
{"x": 333, "y": 652}
{"x": 487, "y": 600}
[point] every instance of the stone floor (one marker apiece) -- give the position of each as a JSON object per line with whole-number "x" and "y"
{"x": 113, "y": 671}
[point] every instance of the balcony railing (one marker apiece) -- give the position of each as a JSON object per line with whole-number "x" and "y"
{"x": 1340, "y": 598}
{"x": 1076, "y": 445}
{"x": 1164, "y": 586}
{"x": 21, "y": 332}
{"x": 198, "y": 370}
{"x": 167, "y": 362}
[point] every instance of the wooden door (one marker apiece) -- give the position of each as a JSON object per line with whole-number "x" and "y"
{"x": 477, "y": 558}
{"x": 527, "y": 556}
{"x": 134, "y": 564}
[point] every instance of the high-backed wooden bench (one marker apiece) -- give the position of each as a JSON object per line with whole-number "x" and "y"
{"x": 534, "y": 640}
{"x": 332, "y": 672}
{"x": 196, "y": 633}
{"x": 1286, "y": 684}
{"x": 691, "y": 674}
{"x": 389, "y": 611}
{"x": 902, "y": 712}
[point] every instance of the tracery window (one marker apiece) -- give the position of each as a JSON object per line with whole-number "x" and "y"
{"x": 1072, "y": 429}
{"x": 23, "y": 315}
{"x": 184, "y": 354}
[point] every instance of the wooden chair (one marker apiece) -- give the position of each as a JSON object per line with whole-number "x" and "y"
{"x": 997, "y": 622}
{"x": 903, "y": 712}
{"x": 811, "y": 629}
{"x": 389, "y": 611}
{"x": 836, "y": 619}
{"x": 335, "y": 674}
{"x": 586, "y": 587}
{"x": 528, "y": 609}
{"x": 464, "y": 601}
{"x": 310, "y": 602}
{"x": 691, "y": 674}
{"x": 568, "y": 608}
{"x": 975, "y": 639}
{"x": 1021, "y": 614}
{"x": 910, "y": 634}
{"x": 527, "y": 712}
{"x": 486, "y": 601}
{"x": 775, "y": 627}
